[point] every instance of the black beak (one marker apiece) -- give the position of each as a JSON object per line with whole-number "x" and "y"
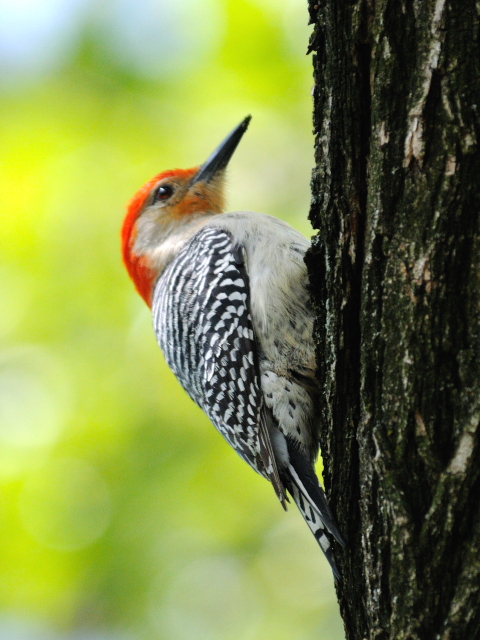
{"x": 221, "y": 156}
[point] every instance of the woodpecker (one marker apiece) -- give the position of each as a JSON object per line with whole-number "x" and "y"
{"x": 231, "y": 312}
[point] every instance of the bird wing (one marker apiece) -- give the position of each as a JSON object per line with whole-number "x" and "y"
{"x": 203, "y": 325}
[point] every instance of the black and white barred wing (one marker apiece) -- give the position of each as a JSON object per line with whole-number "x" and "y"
{"x": 204, "y": 328}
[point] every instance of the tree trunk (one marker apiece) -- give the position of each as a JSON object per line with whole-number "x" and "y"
{"x": 395, "y": 278}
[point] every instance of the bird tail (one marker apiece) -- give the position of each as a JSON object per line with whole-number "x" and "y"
{"x": 303, "y": 485}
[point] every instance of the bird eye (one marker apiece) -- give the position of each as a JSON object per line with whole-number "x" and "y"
{"x": 163, "y": 193}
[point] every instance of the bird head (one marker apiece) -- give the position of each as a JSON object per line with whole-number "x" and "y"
{"x": 168, "y": 209}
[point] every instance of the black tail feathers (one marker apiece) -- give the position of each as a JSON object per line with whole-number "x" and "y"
{"x": 302, "y": 483}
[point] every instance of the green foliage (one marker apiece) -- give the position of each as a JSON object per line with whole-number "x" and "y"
{"x": 122, "y": 511}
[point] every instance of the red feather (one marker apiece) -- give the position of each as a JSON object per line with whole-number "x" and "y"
{"x": 140, "y": 271}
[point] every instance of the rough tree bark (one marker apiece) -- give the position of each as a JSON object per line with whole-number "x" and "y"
{"x": 395, "y": 277}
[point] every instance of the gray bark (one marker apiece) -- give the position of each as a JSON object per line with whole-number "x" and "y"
{"x": 395, "y": 278}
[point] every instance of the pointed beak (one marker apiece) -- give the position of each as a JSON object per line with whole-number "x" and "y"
{"x": 222, "y": 154}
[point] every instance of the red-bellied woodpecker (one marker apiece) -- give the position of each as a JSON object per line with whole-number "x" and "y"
{"x": 232, "y": 315}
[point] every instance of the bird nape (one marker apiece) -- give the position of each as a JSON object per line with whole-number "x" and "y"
{"x": 228, "y": 294}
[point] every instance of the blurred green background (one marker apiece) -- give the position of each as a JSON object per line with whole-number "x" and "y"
{"x": 123, "y": 513}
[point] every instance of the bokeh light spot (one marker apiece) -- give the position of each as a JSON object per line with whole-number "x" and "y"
{"x": 160, "y": 37}
{"x": 66, "y": 505}
{"x": 36, "y": 35}
{"x": 211, "y": 599}
{"x": 34, "y": 397}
